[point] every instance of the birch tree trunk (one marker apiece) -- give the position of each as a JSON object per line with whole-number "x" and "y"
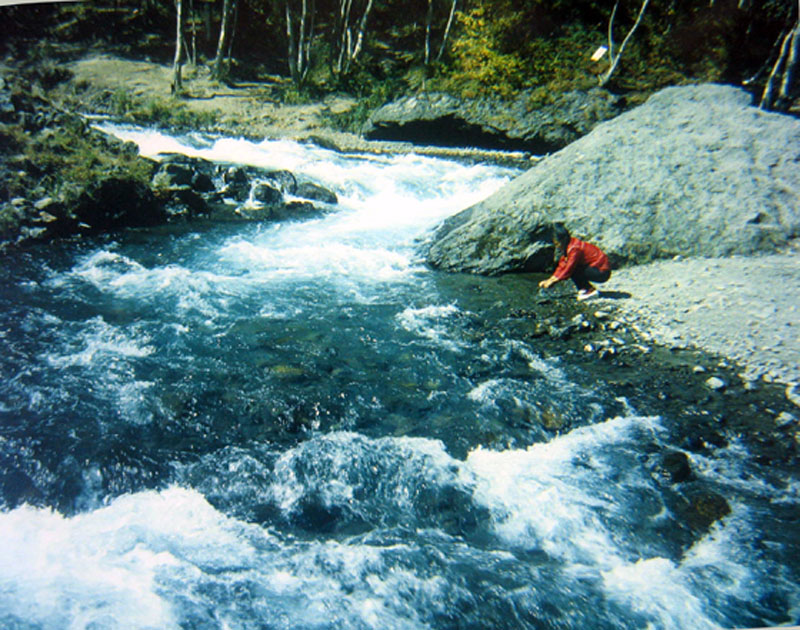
{"x": 219, "y": 61}
{"x": 193, "y": 41}
{"x": 345, "y": 35}
{"x": 614, "y": 59}
{"x": 350, "y": 44}
{"x": 777, "y": 92}
{"x": 177, "y": 81}
{"x": 443, "y": 47}
{"x": 300, "y": 37}
{"x": 292, "y": 41}
{"x": 362, "y": 27}
{"x": 428, "y": 26}
{"x": 232, "y": 30}
{"x": 768, "y": 95}
{"x": 787, "y": 85}
{"x": 308, "y": 40}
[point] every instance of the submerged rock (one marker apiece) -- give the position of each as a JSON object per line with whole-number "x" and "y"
{"x": 694, "y": 171}
{"x": 793, "y": 393}
{"x": 704, "y": 508}
{"x": 675, "y": 466}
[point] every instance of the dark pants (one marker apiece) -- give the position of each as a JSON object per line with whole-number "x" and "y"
{"x": 583, "y": 276}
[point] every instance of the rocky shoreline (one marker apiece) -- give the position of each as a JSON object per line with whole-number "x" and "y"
{"x": 721, "y": 306}
{"x": 708, "y": 319}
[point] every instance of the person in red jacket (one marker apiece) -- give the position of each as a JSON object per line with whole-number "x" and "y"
{"x": 583, "y": 262}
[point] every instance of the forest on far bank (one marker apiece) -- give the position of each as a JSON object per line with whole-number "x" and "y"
{"x": 379, "y": 49}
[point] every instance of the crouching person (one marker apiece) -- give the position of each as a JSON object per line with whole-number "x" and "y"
{"x": 583, "y": 262}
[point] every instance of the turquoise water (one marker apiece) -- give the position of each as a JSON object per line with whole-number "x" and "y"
{"x": 300, "y": 425}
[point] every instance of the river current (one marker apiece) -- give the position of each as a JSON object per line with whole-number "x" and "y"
{"x": 299, "y": 425}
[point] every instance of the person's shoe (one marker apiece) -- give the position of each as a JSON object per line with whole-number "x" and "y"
{"x": 588, "y": 294}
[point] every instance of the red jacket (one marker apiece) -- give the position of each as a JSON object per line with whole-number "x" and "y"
{"x": 581, "y": 254}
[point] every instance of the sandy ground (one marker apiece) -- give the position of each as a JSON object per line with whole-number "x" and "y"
{"x": 745, "y": 309}
{"x": 247, "y": 109}
{"x": 252, "y": 104}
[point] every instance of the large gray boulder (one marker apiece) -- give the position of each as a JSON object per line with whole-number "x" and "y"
{"x": 695, "y": 171}
{"x": 522, "y": 124}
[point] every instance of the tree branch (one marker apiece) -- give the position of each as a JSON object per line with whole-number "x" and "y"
{"x": 614, "y": 60}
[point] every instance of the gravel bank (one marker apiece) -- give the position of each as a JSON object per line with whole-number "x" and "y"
{"x": 746, "y": 309}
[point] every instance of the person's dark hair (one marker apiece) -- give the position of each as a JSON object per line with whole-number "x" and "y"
{"x": 561, "y": 235}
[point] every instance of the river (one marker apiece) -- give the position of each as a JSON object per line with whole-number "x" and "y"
{"x": 300, "y": 425}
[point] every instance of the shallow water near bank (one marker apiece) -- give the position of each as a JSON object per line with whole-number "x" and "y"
{"x": 299, "y": 425}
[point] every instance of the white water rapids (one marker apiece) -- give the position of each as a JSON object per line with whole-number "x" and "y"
{"x": 366, "y": 519}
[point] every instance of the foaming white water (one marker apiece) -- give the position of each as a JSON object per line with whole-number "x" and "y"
{"x": 429, "y": 322}
{"x": 557, "y": 497}
{"x": 385, "y": 203}
{"x": 541, "y": 498}
{"x": 168, "y": 559}
{"x": 341, "y": 466}
{"x": 101, "y": 569}
{"x": 164, "y": 560}
{"x": 384, "y": 181}
{"x": 99, "y": 343}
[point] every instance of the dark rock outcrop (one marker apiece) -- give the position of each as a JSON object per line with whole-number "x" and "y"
{"x": 116, "y": 202}
{"x": 524, "y": 124}
{"x": 193, "y": 188}
{"x": 695, "y": 171}
{"x": 61, "y": 177}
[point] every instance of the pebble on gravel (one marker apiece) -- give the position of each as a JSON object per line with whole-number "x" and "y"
{"x": 793, "y": 393}
{"x": 785, "y": 420}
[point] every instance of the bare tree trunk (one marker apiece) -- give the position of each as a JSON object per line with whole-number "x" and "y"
{"x": 362, "y": 27}
{"x": 177, "y": 81}
{"x": 232, "y": 36}
{"x": 301, "y": 43}
{"x": 349, "y": 43}
{"x": 614, "y": 59}
{"x": 443, "y": 47}
{"x": 219, "y": 61}
{"x": 290, "y": 36}
{"x": 768, "y": 95}
{"x": 787, "y": 84}
{"x": 785, "y": 93}
{"x": 194, "y": 33}
{"x": 428, "y": 26}
{"x": 306, "y": 38}
{"x": 344, "y": 34}
{"x": 309, "y": 40}
{"x": 611, "y": 30}
{"x": 300, "y": 37}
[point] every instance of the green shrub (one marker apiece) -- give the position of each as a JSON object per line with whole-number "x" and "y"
{"x": 480, "y": 65}
{"x": 121, "y": 102}
{"x": 171, "y": 113}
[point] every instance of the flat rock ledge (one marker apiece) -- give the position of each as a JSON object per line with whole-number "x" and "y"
{"x": 523, "y": 124}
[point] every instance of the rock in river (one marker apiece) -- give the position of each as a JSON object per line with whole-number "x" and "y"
{"x": 694, "y": 171}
